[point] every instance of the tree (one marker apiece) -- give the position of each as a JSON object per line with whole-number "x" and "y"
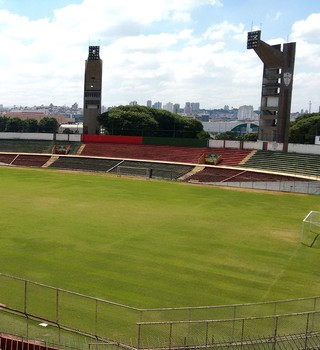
{"x": 3, "y": 123}
{"x": 142, "y": 120}
{"x": 251, "y": 136}
{"x": 49, "y": 125}
{"x": 30, "y": 125}
{"x": 228, "y": 135}
{"x": 305, "y": 128}
{"x": 14, "y": 125}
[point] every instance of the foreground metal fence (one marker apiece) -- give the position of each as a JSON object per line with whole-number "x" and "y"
{"x": 240, "y": 331}
{"x": 292, "y": 331}
{"x": 130, "y": 327}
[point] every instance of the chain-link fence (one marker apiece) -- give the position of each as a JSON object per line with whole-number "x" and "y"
{"x": 232, "y": 334}
{"x": 167, "y": 327}
{"x": 23, "y": 331}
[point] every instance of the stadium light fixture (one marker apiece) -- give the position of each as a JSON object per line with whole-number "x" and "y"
{"x": 253, "y": 39}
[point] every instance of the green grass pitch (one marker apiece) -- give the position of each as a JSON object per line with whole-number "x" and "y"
{"x": 154, "y": 243}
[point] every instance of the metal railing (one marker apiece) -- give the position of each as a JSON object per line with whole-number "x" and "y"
{"x": 106, "y": 319}
{"x": 237, "y": 332}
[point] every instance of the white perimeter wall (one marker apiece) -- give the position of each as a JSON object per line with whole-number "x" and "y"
{"x": 39, "y": 136}
{"x": 258, "y": 145}
{"x": 270, "y": 146}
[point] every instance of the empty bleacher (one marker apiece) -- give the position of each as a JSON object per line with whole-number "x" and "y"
{"x": 152, "y": 169}
{"x": 177, "y": 154}
{"x": 155, "y": 170}
{"x": 35, "y": 146}
{"x": 7, "y": 158}
{"x": 84, "y": 163}
{"x": 215, "y": 174}
{"x": 30, "y": 160}
{"x": 291, "y": 163}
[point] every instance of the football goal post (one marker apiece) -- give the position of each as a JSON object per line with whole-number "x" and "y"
{"x": 310, "y": 228}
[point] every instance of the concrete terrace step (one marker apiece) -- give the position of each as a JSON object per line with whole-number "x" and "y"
{"x": 163, "y": 153}
{"x": 308, "y": 164}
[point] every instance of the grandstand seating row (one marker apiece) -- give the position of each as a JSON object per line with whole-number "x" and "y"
{"x": 103, "y": 157}
{"x": 144, "y": 168}
{"x": 24, "y": 159}
{"x": 179, "y": 154}
{"x": 211, "y": 175}
{"x": 36, "y": 146}
{"x": 291, "y": 163}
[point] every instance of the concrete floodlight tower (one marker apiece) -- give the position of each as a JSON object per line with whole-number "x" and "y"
{"x": 276, "y": 88}
{"x": 92, "y": 91}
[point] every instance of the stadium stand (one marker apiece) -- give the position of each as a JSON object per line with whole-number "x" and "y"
{"x": 7, "y": 158}
{"x": 152, "y": 169}
{"x": 30, "y": 160}
{"x": 84, "y": 163}
{"x": 34, "y": 146}
{"x": 10, "y": 342}
{"x": 214, "y": 174}
{"x": 163, "y": 153}
{"x": 291, "y": 163}
{"x": 156, "y": 170}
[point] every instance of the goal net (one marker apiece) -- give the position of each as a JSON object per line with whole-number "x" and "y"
{"x": 310, "y": 228}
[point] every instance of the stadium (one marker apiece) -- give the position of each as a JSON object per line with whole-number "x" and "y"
{"x": 136, "y": 246}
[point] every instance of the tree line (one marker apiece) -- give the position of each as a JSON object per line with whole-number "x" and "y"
{"x": 46, "y": 124}
{"x": 146, "y": 121}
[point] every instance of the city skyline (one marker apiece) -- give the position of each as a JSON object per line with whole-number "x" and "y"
{"x": 178, "y": 50}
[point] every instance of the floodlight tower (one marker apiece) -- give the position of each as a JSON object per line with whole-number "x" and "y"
{"x": 92, "y": 91}
{"x": 276, "y": 88}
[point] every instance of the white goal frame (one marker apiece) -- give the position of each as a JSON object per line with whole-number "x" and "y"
{"x": 310, "y": 228}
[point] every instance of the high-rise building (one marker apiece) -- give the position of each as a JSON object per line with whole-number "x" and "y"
{"x": 157, "y": 105}
{"x": 133, "y": 103}
{"x": 168, "y": 107}
{"x": 92, "y": 91}
{"x": 195, "y": 107}
{"x": 176, "y": 108}
{"x": 149, "y": 103}
{"x": 245, "y": 113}
{"x": 187, "y": 108}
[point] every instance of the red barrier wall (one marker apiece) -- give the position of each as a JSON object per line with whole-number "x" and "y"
{"x": 136, "y": 140}
{"x": 8, "y": 342}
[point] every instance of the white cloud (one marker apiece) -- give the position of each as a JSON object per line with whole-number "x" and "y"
{"x": 150, "y": 50}
{"x": 307, "y": 30}
{"x": 221, "y": 30}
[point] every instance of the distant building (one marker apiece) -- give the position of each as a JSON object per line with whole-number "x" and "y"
{"x": 245, "y": 113}
{"x": 92, "y": 91}
{"x": 133, "y": 103}
{"x": 157, "y": 105}
{"x": 239, "y": 127}
{"x": 176, "y": 108}
{"x": 168, "y": 107}
{"x": 195, "y": 107}
{"x": 187, "y": 108}
{"x": 191, "y": 108}
{"x": 71, "y": 128}
{"x": 38, "y": 115}
{"x": 149, "y": 103}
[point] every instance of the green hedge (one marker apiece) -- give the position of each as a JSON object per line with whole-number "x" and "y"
{"x": 169, "y": 141}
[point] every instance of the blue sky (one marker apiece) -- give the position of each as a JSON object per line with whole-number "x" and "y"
{"x": 163, "y": 50}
